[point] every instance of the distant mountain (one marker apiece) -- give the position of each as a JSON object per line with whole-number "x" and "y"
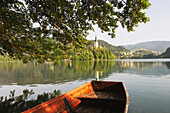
{"x": 115, "y": 49}
{"x": 159, "y": 46}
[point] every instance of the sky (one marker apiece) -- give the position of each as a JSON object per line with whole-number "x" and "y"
{"x": 157, "y": 29}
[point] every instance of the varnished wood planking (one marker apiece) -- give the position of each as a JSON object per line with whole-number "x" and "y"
{"x": 92, "y": 97}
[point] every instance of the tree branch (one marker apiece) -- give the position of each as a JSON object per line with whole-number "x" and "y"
{"x": 124, "y": 2}
{"x": 3, "y": 33}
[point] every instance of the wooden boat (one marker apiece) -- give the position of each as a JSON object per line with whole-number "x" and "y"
{"x": 92, "y": 97}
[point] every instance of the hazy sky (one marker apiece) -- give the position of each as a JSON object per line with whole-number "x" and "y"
{"x": 158, "y": 29}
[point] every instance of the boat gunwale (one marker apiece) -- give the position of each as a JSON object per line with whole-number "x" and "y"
{"x": 47, "y": 103}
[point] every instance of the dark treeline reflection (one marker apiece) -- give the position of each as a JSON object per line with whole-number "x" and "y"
{"x": 34, "y": 73}
{"x": 17, "y": 104}
{"x": 168, "y": 65}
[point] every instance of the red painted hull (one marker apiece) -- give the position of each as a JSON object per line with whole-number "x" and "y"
{"x": 92, "y": 97}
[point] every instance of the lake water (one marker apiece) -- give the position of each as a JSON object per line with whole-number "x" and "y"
{"x": 147, "y": 81}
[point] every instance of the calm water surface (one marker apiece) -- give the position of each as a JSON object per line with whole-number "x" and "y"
{"x": 147, "y": 81}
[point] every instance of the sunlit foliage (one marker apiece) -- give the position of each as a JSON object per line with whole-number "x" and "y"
{"x": 18, "y": 104}
{"x": 61, "y": 24}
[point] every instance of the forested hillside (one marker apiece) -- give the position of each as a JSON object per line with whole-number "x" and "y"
{"x": 166, "y": 54}
{"x": 114, "y": 49}
{"x": 91, "y": 53}
{"x": 88, "y": 53}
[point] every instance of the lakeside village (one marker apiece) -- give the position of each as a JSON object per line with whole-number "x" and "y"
{"x": 101, "y": 50}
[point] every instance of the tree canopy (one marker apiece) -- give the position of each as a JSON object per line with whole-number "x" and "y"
{"x": 62, "y": 24}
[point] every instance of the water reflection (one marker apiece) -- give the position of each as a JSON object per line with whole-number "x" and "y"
{"x": 168, "y": 65}
{"x": 144, "y": 91}
{"x": 147, "y": 68}
{"x": 34, "y": 73}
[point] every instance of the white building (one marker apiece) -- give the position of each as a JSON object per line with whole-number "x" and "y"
{"x": 96, "y": 44}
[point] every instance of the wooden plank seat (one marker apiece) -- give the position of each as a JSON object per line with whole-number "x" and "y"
{"x": 101, "y": 95}
{"x": 92, "y": 105}
{"x": 100, "y": 102}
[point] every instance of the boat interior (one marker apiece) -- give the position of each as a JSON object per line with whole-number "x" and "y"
{"x": 108, "y": 99}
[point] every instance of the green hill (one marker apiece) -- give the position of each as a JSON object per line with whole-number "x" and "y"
{"x": 166, "y": 54}
{"x": 115, "y": 49}
{"x": 159, "y": 46}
